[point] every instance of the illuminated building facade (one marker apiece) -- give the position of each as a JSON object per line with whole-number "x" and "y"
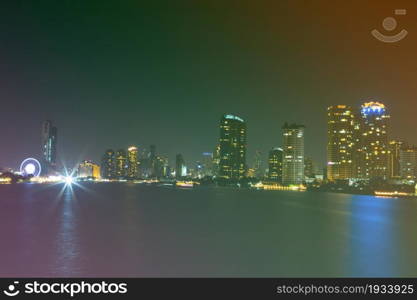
{"x": 87, "y": 169}
{"x": 180, "y": 168}
{"x": 309, "y": 171}
{"x": 394, "y": 158}
{"x": 121, "y": 164}
{"x": 232, "y": 164}
{"x": 133, "y": 162}
{"x": 257, "y": 164}
{"x": 408, "y": 163}
{"x": 161, "y": 167}
{"x": 108, "y": 165}
{"x": 216, "y": 161}
{"x": 49, "y": 142}
{"x": 275, "y": 165}
{"x": 198, "y": 173}
{"x": 374, "y": 141}
{"x": 152, "y": 161}
{"x": 293, "y": 154}
{"x": 341, "y": 141}
{"x": 207, "y": 164}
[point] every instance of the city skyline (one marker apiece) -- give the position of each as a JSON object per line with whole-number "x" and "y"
{"x": 359, "y": 152}
{"x": 358, "y": 148}
{"x": 49, "y": 141}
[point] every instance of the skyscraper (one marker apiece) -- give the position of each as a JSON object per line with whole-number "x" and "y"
{"x": 49, "y": 142}
{"x": 121, "y": 164}
{"x": 132, "y": 159}
{"x": 152, "y": 161}
{"x": 257, "y": 164}
{"x": 309, "y": 167}
{"x": 216, "y": 161}
{"x": 394, "y": 158}
{"x": 87, "y": 169}
{"x": 408, "y": 163}
{"x": 108, "y": 165}
{"x": 199, "y": 169}
{"x": 341, "y": 148}
{"x": 374, "y": 141}
{"x": 275, "y": 165}
{"x": 180, "y": 168}
{"x": 160, "y": 167}
{"x": 207, "y": 164}
{"x": 293, "y": 154}
{"x": 232, "y": 165}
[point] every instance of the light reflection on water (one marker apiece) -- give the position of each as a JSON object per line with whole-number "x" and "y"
{"x": 131, "y": 230}
{"x": 66, "y": 241}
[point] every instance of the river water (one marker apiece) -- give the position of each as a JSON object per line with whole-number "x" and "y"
{"x": 132, "y": 230}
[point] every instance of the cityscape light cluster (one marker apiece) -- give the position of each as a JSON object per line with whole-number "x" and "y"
{"x": 359, "y": 147}
{"x": 359, "y": 152}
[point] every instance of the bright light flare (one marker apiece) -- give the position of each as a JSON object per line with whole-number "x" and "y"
{"x": 68, "y": 180}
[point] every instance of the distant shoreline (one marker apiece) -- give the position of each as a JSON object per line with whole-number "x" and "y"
{"x": 172, "y": 185}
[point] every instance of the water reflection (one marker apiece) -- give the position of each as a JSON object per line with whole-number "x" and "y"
{"x": 132, "y": 230}
{"x": 67, "y": 252}
{"x": 373, "y": 237}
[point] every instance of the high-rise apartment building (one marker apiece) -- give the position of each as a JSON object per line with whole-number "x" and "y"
{"x": 275, "y": 165}
{"x": 232, "y": 164}
{"x": 257, "y": 164}
{"x": 394, "y": 158}
{"x": 341, "y": 142}
{"x": 180, "y": 168}
{"x": 49, "y": 142}
{"x": 293, "y": 154}
{"x": 121, "y": 164}
{"x": 374, "y": 147}
{"x": 309, "y": 167}
{"x": 207, "y": 164}
{"x": 216, "y": 161}
{"x": 108, "y": 165}
{"x": 408, "y": 163}
{"x": 88, "y": 169}
{"x": 132, "y": 162}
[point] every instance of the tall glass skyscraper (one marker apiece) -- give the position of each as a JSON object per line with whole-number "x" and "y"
{"x": 309, "y": 168}
{"x": 160, "y": 167}
{"x": 257, "y": 164}
{"x": 275, "y": 165}
{"x": 49, "y": 141}
{"x": 408, "y": 163}
{"x": 374, "y": 141}
{"x": 232, "y": 164}
{"x": 207, "y": 164}
{"x": 152, "y": 161}
{"x": 132, "y": 157}
{"x": 394, "y": 166}
{"x": 216, "y": 160}
{"x": 108, "y": 165}
{"x": 293, "y": 154}
{"x": 341, "y": 144}
{"x": 180, "y": 168}
{"x": 121, "y": 164}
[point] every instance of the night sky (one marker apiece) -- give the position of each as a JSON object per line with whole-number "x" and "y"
{"x": 116, "y": 73}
